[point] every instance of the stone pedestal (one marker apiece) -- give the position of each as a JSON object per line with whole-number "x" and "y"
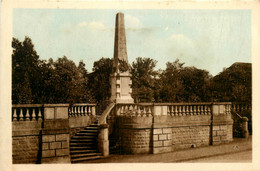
{"x": 103, "y": 142}
{"x": 55, "y": 134}
{"x": 245, "y": 132}
{"x": 121, "y": 88}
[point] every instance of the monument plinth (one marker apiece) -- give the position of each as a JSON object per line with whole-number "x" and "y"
{"x": 120, "y": 78}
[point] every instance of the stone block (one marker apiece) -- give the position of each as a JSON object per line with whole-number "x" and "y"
{"x": 217, "y": 138}
{"x": 62, "y": 152}
{"x": 65, "y": 144}
{"x": 155, "y": 137}
{"x": 49, "y": 113}
{"x": 167, "y": 143}
{"x": 45, "y": 146}
{"x": 48, "y": 138}
{"x": 157, "y": 131}
{"x": 167, "y": 130}
{"x": 62, "y": 137}
{"x": 223, "y": 127}
{"x": 215, "y": 128}
{"x": 169, "y": 136}
{"x": 55, "y": 145}
{"x": 220, "y": 132}
{"x": 48, "y": 153}
{"x": 162, "y": 137}
{"x": 157, "y": 143}
{"x": 61, "y": 113}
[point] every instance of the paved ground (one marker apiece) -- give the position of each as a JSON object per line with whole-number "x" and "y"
{"x": 244, "y": 156}
{"x": 240, "y": 150}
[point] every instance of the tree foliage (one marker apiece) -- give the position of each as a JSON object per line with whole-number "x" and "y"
{"x": 39, "y": 81}
{"x": 143, "y": 79}
{"x": 99, "y": 79}
{"x": 183, "y": 84}
{"x": 233, "y": 84}
{"x": 62, "y": 81}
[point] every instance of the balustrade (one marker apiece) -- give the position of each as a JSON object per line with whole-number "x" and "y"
{"x": 77, "y": 110}
{"x": 140, "y": 110}
{"x": 239, "y": 107}
{"x": 182, "y": 109}
{"x": 28, "y": 112}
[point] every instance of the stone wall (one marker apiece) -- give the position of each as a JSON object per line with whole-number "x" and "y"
{"x": 41, "y": 133}
{"x": 26, "y": 142}
{"x": 135, "y": 134}
{"x": 78, "y": 123}
{"x": 168, "y": 129}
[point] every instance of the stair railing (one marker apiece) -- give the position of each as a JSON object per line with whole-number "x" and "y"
{"x": 244, "y": 120}
{"x": 103, "y": 118}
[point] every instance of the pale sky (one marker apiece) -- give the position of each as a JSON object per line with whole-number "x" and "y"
{"x": 206, "y": 39}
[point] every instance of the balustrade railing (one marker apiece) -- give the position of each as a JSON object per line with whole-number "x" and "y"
{"x": 81, "y": 109}
{"x": 239, "y": 107}
{"x": 27, "y": 112}
{"x": 183, "y": 109}
{"x": 173, "y": 109}
{"x": 142, "y": 110}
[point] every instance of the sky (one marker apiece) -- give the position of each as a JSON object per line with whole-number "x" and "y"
{"x": 207, "y": 39}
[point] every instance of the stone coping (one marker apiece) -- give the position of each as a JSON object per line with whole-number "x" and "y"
{"x": 51, "y": 105}
{"x": 84, "y": 104}
{"x": 168, "y": 104}
{"x": 27, "y": 105}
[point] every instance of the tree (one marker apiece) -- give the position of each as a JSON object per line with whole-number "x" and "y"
{"x": 233, "y": 84}
{"x": 24, "y": 71}
{"x": 184, "y": 84}
{"x": 143, "y": 79}
{"x": 39, "y": 81}
{"x": 99, "y": 79}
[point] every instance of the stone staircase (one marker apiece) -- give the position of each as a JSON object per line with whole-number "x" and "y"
{"x": 84, "y": 145}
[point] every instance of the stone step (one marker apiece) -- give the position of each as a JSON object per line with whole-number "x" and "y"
{"x": 89, "y": 131}
{"x": 86, "y": 159}
{"x": 77, "y": 151}
{"x": 91, "y": 128}
{"x": 86, "y": 134}
{"x": 82, "y": 148}
{"x": 73, "y": 144}
{"x": 83, "y": 140}
{"x": 84, "y": 155}
{"x": 84, "y": 137}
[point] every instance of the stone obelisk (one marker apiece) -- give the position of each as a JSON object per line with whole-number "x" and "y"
{"x": 120, "y": 78}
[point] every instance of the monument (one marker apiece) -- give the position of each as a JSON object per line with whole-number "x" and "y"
{"x": 120, "y": 80}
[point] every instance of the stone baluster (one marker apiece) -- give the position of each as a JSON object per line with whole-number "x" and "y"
{"x": 183, "y": 110}
{"x": 209, "y": 110}
{"x": 138, "y": 111}
{"x": 80, "y": 111}
{"x": 168, "y": 110}
{"x": 122, "y": 111}
{"x": 39, "y": 115}
{"x": 187, "y": 110}
{"x": 89, "y": 110}
{"x": 176, "y": 110}
{"x": 149, "y": 112}
{"x": 195, "y": 110}
{"x": 27, "y": 115}
{"x": 191, "y": 109}
{"x": 21, "y": 115}
{"x": 15, "y": 115}
{"x": 33, "y": 115}
{"x": 199, "y": 110}
{"x": 86, "y": 111}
